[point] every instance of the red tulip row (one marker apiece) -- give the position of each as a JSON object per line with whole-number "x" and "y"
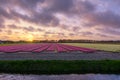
{"x": 43, "y": 47}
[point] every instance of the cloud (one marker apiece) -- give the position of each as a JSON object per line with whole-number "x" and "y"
{"x": 85, "y": 7}
{"x": 29, "y": 28}
{"x": 12, "y": 26}
{"x": 65, "y": 27}
{"x": 49, "y": 32}
{"x": 76, "y": 29}
{"x": 60, "y": 5}
{"x": 1, "y": 23}
{"x": 4, "y": 13}
{"x": 47, "y": 16}
{"x": 78, "y": 15}
{"x": 27, "y": 5}
{"x": 0, "y": 30}
{"x": 104, "y": 35}
{"x": 107, "y": 18}
{"x": 9, "y": 32}
{"x": 45, "y": 19}
{"x": 110, "y": 31}
{"x": 87, "y": 33}
{"x": 72, "y": 34}
{"x": 61, "y": 34}
{"x": 39, "y": 29}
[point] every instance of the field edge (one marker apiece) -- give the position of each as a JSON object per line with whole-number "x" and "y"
{"x": 60, "y": 66}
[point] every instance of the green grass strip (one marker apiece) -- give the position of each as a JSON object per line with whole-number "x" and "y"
{"x": 60, "y": 67}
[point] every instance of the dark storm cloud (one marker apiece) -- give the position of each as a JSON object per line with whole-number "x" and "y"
{"x": 108, "y": 22}
{"x": 60, "y": 5}
{"x": 47, "y": 16}
{"x": 28, "y": 5}
{"x": 37, "y": 18}
{"x": 6, "y": 2}
{"x": 108, "y": 19}
{"x": 3, "y": 13}
{"x": 45, "y": 19}
{"x": 31, "y": 3}
{"x": 70, "y": 6}
{"x": 85, "y": 7}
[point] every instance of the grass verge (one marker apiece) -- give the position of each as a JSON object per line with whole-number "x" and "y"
{"x": 60, "y": 67}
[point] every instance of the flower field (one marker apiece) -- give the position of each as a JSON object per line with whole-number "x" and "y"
{"x": 45, "y": 47}
{"x": 98, "y": 46}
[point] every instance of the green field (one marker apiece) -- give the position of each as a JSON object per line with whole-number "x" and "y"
{"x": 6, "y": 44}
{"x": 98, "y": 46}
{"x": 60, "y": 67}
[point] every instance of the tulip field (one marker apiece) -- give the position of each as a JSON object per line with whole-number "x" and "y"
{"x": 43, "y": 47}
{"x": 98, "y": 46}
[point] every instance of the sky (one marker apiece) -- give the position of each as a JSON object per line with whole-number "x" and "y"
{"x": 59, "y": 19}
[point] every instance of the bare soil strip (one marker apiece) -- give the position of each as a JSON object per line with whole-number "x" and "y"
{"x": 99, "y": 55}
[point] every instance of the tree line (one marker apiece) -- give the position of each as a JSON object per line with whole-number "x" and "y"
{"x": 62, "y": 41}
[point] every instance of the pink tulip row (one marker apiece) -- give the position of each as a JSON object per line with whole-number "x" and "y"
{"x": 43, "y": 47}
{"x": 75, "y": 48}
{"x": 52, "y": 47}
{"x": 60, "y": 49}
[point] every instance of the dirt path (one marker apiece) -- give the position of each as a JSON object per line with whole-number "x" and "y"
{"x": 60, "y": 77}
{"x": 60, "y": 56}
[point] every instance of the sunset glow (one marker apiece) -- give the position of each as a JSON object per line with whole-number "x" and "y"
{"x": 59, "y": 19}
